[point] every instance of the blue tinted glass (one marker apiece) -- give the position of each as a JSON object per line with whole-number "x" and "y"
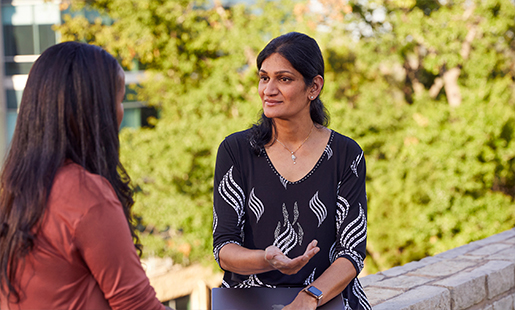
{"x": 46, "y": 37}
{"x": 11, "y": 124}
{"x": 18, "y": 40}
{"x": 13, "y": 98}
{"x": 12, "y": 68}
{"x": 131, "y": 118}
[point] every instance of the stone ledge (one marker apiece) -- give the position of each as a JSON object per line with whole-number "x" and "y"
{"x": 479, "y": 275}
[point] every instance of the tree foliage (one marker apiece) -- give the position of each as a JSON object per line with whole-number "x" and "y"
{"x": 425, "y": 87}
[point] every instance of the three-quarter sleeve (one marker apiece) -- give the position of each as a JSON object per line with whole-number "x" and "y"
{"x": 351, "y": 212}
{"x": 103, "y": 238}
{"x": 228, "y": 201}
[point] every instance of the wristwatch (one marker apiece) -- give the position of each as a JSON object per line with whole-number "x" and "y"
{"x": 313, "y": 291}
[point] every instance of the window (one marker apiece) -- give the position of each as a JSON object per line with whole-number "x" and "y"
{"x": 27, "y": 31}
{"x": 18, "y": 40}
{"x": 136, "y": 112}
{"x": 13, "y": 98}
{"x": 12, "y": 68}
{"x": 46, "y": 37}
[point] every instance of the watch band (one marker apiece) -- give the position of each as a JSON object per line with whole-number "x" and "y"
{"x": 314, "y": 292}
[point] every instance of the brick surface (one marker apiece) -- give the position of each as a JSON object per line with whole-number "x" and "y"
{"x": 489, "y": 249}
{"x": 458, "y": 251}
{"x": 377, "y": 295}
{"x": 421, "y": 298}
{"x": 398, "y": 270}
{"x": 403, "y": 282}
{"x": 444, "y": 268}
{"x": 476, "y": 276}
{"x": 478, "y": 259}
{"x": 496, "y": 238}
{"x": 504, "y": 304}
{"x": 467, "y": 289}
{"x": 500, "y": 277}
{"x": 430, "y": 260}
{"x": 371, "y": 279}
{"x": 395, "y": 271}
{"x": 507, "y": 254}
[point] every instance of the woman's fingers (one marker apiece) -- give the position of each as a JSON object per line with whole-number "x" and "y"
{"x": 312, "y": 249}
{"x": 284, "y": 264}
{"x": 312, "y": 245}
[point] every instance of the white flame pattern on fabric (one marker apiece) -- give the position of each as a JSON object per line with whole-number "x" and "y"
{"x": 355, "y": 163}
{"x": 352, "y": 235}
{"x": 225, "y": 284}
{"x": 358, "y": 291}
{"x": 215, "y": 220}
{"x": 311, "y": 277}
{"x": 318, "y": 207}
{"x": 332, "y": 253}
{"x": 346, "y": 302}
{"x": 232, "y": 193}
{"x": 253, "y": 281}
{"x": 284, "y": 182}
{"x": 289, "y": 238}
{"x": 355, "y": 232}
{"x": 300, "y": 233}
{"x": 342, "y": 209}
{"x": 329, "y": 152}
{"x": 255, "y": 205}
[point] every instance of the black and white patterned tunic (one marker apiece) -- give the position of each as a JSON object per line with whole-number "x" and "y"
{"x": 254, "y": 206}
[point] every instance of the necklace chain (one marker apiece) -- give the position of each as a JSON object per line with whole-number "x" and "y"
{"x": 293, "y": 157}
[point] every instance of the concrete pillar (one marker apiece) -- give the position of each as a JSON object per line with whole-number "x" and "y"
{"x": 200, "y": 298}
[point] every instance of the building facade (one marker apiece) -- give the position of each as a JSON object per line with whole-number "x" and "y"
{"x": 27, "y": 30}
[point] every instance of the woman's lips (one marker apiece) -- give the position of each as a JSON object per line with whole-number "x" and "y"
{"x": 272, "y": 102}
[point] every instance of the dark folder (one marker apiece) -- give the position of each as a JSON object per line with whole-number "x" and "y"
{"x": 258, "y": 298}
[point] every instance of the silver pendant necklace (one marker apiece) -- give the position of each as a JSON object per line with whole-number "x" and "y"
{"x": 293, "y": 157}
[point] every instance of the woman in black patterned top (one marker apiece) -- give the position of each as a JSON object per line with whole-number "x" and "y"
{"x": 290, "y": 204}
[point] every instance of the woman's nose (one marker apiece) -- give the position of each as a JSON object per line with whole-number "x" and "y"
{"x": 271, "y": 88}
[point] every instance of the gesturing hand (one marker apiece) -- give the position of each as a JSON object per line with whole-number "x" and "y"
{"x": 286, "y": 265}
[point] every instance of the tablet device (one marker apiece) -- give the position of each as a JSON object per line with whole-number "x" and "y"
{"x": 260, "y": 298}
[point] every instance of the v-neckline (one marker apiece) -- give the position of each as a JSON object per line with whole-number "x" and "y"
{"x": 309, "y": 173}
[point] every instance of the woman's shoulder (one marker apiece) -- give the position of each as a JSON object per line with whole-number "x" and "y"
{"x": 75, "y": 187}
{"x": 238, "y": 137}
{"x": 345, "y": 145}
{"x": 343, "y": 141}
{"x": 237, "y": 141}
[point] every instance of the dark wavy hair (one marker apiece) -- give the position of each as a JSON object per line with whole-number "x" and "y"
{"x": 305, "y": 56}
{"x": 67, "y": 112}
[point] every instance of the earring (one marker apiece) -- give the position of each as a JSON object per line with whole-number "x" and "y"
{"x": 311, "y": 97}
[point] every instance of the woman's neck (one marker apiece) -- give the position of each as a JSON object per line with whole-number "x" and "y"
{"x": 292, "y": 131}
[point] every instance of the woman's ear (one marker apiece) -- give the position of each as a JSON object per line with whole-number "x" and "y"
{"x": 316, "y": 87}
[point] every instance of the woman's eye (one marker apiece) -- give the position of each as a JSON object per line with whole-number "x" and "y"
{"x": 285, "y": 79}
{"x": 263, "y": 78}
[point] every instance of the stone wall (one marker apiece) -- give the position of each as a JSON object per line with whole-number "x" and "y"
{"x": 479, "y": 275}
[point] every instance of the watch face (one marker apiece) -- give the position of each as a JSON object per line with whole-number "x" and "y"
{"x": 314, "y": 291}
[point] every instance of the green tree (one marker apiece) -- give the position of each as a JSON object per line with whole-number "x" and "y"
{"x": 431, "y": 101}
{"x": 425, "y": 87}
{"x": 201, "y": 74}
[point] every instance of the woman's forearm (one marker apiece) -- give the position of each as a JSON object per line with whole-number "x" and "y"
{"x": 335, "y": 279}
{"x": 237, "y": 259}
{"x": 244, "y": 261}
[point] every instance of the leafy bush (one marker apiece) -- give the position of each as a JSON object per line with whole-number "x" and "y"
{"x": 440, "y": 163}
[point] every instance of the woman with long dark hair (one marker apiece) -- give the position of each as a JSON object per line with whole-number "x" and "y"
{"x": 289, "y": 197}
{"x": 67, "y": 238}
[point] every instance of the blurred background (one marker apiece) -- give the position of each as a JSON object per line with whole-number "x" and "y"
{"x": 425, "y": 87}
